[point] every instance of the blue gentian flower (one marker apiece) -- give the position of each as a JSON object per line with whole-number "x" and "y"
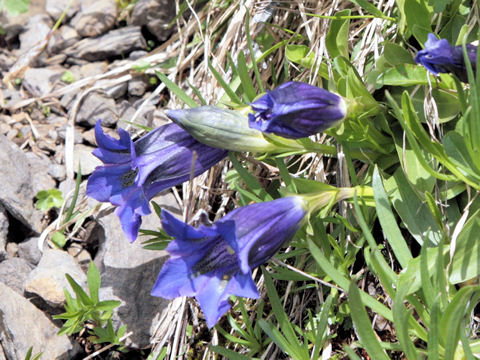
{"x": 213, "y": 262}
{"x": 134, "y": 172}
{"x": 296, "y": 110}
{"x": 440, "y": 57}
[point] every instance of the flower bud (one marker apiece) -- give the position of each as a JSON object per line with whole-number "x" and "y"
{"x": 221, "y": 128}
{"x": 296, "y": 110}
{"x": 440, "y": 57}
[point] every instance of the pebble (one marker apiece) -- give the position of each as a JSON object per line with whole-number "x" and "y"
{"x": 116, "y": 43}
{"x": 155, "y": 15}
{"x": 22, "y": 325}
{"x": 47, "y": 280}
{"x": 29, "y": 250}
{"x": 14, "y": 272}
{"x": 95, "y": 17}
{"x": 96, "y": 106}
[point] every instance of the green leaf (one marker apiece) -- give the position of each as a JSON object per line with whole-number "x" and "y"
{"x": 77, "y": 289}
{"x": 401, "y": 75}
{"x": 59, "y": 239}
{"x": 93, "y": 281}
{"x": 466, "y": 259}
{"x": 411, "y": 275}
{"x": 16, "y": 7}
{"x": 458, "y": 308}
{"x": 68, "y": 77}
{"x": 300, "y": 54}
{"x": 363, "y": 324}
{"x": 47, "y": 199}
{"x": 229, "y": 354}
{"x": 365, "y": 5}
{"x": 107, "y": 305}
{"x": 289, "y": 341}
{"x": 397, "y": 55}
{"x": 457, "y": 150}
{"x": 439, "y": 5}
{"x": 413, "y": 211}
{"x": 343, "y": 282}
{"x": 252, "y": 183}
{"x": 388, "y": 222}
{"x": 401, "y": 319}
{"x": 337, "y": 36}
{"x": 176, "y": 90}
{"x": 417, "y": 16}
{"x": 433, "y": 331}
{"x": 244, "y": 74}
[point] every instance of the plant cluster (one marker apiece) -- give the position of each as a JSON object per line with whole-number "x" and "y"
{"x": 385, "y": 262}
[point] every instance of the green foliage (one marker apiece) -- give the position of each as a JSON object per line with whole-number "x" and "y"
{"x": 47, "y": 199}
{"x": 158, "y": 240}
{"x": 86, "y": 308}
{"x": 408, "y": 256}
{"x": 15, "y": 7}
{"x": 68, "y": 77}
{"x": 30, "y": 356}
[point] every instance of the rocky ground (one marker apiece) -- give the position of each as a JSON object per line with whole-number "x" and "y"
{"x": 47, "y": 114}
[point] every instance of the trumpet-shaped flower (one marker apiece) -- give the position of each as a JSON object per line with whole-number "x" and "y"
{"x": 296, "y": 110}
{"x": 134, "y": 172}
{"x": 440, "y": 57}
{"x": 213, "y": 262}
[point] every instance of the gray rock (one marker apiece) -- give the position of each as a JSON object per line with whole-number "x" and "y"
{"x": 155, "y": 15}
{"x": 129, "y": 273}
{"x": 81, "y": 255}
{"x": 127, "y": 111}
{"x": 47, "y": 280}
{"x": 39, "y": 166}
{"x": 65, "y": 36}
{"x": 17, "y": 196}
{"x": 95, "y": 17}
{"x": 14, "y": 272}
{"x": 12, "y": 250}
{"x": 90, "y": 69}
{"x": 135, "y": 55}
{"x": 77, "y": 137}
{"x": 3, "y": 232}
{"x": 119, "y": 42}
{"x": 117, "y": 91}
{"x": 97, "y": 106}
{"x": 55, "y": 8}
{"x": 29, "y": 250}
{"x": 22, "y": 326}
{"x": 89, "y": 136}
{"x": 137, "y": 86}
{"x": 57, "y": 171}
{"x": 40, "y": 81}
{"x": 36, "y": 30}
{"x": 82, "y": 154}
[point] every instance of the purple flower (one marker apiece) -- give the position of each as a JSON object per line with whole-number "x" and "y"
{"x": 440, "y": 57}
{"x": 296, "y": 110}
{"x": 134, "y": 172}
{"x": 214, "y": 262}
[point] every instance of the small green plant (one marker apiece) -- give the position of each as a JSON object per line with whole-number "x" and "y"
{"x": 14, "y": 7}
{"x": 68, "y": 77}
{"x": 29, "y": 355}
{"x": 46, "y": 111}
{"x": 47, "y": 199}
{"x": 88, "y": 309}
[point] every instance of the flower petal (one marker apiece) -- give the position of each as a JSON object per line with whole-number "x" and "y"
{"x": 174, "y": 280}
{"x": 213, "y": 300}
